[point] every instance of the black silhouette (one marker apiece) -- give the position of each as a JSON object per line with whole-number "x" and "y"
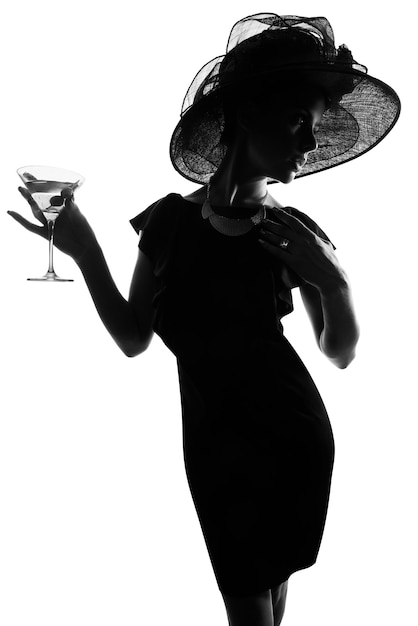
{"x": 214, "y": 277}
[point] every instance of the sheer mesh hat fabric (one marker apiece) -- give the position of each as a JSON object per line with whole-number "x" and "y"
{"x": 268, "y": 52}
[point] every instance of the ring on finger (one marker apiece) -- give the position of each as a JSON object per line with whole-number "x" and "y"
{"x": 283, "y": 243}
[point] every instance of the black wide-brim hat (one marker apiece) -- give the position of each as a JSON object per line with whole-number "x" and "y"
{"x": 268, "y": 49}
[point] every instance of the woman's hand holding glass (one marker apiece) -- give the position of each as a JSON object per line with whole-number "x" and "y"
{"x": 73, "y": 234}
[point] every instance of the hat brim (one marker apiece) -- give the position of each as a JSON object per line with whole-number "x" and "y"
{"x": 360, "y": 120}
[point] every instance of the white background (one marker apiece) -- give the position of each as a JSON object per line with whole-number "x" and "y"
{"x": 97, "y": 526}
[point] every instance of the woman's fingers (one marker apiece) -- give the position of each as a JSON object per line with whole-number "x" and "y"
{"x": 35, "y": 209}
{"x": 287, "y": 234}
{"x": 25, "y": 193}
{"x": 280, "y": 252}
{"x": 280, "y": 246}
{"x": 34, "y": 228}
{"x": 278, "y": 235}
{"x": 282, "y": 239}
{"x": 276, "y": 228}
{"x": 293, "y": 222}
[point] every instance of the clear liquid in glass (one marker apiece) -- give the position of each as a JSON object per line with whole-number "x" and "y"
{"x": 43, "y": 190}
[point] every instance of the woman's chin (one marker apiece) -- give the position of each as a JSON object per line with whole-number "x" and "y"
{"x": 285, "y": 177}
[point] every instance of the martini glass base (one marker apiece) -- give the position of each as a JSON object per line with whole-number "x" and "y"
{"x": 51, "y": 277}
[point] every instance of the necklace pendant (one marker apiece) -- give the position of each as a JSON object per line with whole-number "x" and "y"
{"x": 229, "y": 227}
{"x": 232, "y": 227}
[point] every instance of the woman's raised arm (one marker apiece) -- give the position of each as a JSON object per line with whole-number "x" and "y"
{"x": 130, "y": 321}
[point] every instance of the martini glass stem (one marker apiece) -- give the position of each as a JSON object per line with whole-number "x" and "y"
{"x": 51, "y": 225}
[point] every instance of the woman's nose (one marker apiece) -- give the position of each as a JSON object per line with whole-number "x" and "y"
{"x": 309, "y": 142}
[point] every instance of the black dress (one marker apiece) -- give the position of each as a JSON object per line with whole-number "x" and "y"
{"x": 258, "y": 445}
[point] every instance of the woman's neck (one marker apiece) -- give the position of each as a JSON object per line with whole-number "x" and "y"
{"x": 233, "y": 185}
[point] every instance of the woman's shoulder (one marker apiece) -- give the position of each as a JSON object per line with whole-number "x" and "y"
{"x": 161, "y": 212}
{"x": 197, "y": 197}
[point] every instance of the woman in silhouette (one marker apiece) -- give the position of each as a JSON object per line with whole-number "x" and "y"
{"x": 214, "y": 276}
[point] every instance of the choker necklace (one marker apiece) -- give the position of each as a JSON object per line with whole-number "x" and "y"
{"x": 231, "y": 226}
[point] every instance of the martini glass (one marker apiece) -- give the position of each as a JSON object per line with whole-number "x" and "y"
{"x": 44, "y": 182}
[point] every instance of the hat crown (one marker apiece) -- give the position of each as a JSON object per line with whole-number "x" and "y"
{"x": 265, "y": 42}
{"x": 272, "y": 25}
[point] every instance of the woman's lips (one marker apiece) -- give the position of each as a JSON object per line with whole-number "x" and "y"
{"x": 296, "y": 164}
